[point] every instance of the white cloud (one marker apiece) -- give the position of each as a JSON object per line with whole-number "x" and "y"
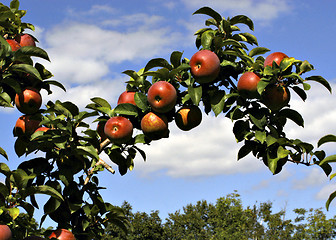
{"x": 84, "y": 53}
{"x": 312, "y": 177}
{"x": 257, "y": 10}
{"x": 324, "y": 193}
{"x": 210, "y": 149}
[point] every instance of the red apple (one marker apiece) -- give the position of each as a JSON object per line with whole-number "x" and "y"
{"x": 247, "y": 84}
{"x": 276, "y": 97}
{"x": 27, "y": 40}
{"x": 274, "y": 57}
{"x": 62, "y": 234}
{"x": 25, "y": 125}
{"x": 5, "y": 232}
{"x": 162, "y": 96}
{"x": 14, "y": 44}
{"x": 28, "y": 101}
{"x": 118, "y": 129}
{"x": 154, "y": 126}
{"x": 127, "y": 97}
{"x": 205, "y": 66}
{"x": 188, "y": 117}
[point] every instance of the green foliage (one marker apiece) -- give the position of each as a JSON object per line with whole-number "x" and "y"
{"x": 227, "y": 219}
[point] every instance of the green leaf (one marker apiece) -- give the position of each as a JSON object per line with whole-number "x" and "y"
{"x": 331, "y": 197}
{"x": 32, "y": 52}
{"x": 195, "y": 94}
{"x": 5, "y": 100}
{"x": 245, "y": 149}
{"x": 326, "y": 139}
{"x": 258, "y": 51}
{"x": 42, "y": 189}
{"x": 299, "y": 91}
{"x": 218, "y": 102}
{"x": 321, "y": 80}
{"x": 55, "y": 83}
{"x": 206, "y": 39}
{"x": 260, "y": 136}
{"x": 175, "y": 58}
{"x": 262, "y": 84}
{"x": 141, "y": 101}
{"x": 292, "y": 115}
{"x": 242, "y": 19}
{"x": 329, "y": 159}
{"x": 157, "y": 62}
{"x": 25, "y": 68}
{"x": 14, "y": 4}
{"x": 131, "y": 73}
{"x": 88, "y": 151}
{"x": 101, "y": 102}
{"x": 126, "y": 109}
{"x": 4, "y": 169}
{"x": 210, "y": 12}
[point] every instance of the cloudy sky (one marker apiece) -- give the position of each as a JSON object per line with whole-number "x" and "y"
{"x": 90, "y": 44}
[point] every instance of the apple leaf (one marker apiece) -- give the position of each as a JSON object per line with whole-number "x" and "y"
{"x": 321, "y": 80}
{"x": 141, "y": 101}
{"x": 329, "y": 159}
{"x": 242, "y": 19}
{"x": 326, "y": 139}
{"x": 13, "y": 212}
{"x": 42, "y": 189}
{"x": 195, "y": 94}
{"x": 245, "y": 149}
{"x": 258, "y": 51}
{"x": 218, "y": 102}
{"x": 331, "y": 197}
{"x": 32, "y": 52}
{"x": 101, "y": 102}
{"x": 131, "y": 73}
{"x": 55, "y": 83}
{"x": 299, "y": 91}
{"x": 210, "y": 12}
{"x": 25, "y": 68}
{"x": 292, "y": 115}
{"x": 126, "y": 109}
{"x": 175, "y": 58}
{"x": 157, "y": 62}
{"x": 206, "y": 39}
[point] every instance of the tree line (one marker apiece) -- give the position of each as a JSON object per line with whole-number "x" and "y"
{"x": 227, "y": 218}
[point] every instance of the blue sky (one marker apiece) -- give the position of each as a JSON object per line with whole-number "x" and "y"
{"x": 90, "y": 44}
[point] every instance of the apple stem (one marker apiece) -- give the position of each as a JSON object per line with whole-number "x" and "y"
{"x": 100, "y": 162}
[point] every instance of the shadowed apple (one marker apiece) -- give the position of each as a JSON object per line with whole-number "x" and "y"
{"x": 188, "y": 117}
{"x": 28, "y": 101}
{"x": 155, "y": 126}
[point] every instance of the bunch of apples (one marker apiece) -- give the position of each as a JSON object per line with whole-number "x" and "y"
{"x": 275, "y": 96}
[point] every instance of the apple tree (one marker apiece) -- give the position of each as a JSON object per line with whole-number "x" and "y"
{"x": 61, "y": 156}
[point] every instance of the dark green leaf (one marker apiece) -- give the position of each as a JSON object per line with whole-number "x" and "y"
{"x": 217, "y": 102}
{"x": 242, "y": 19}
{"x": 245, "y": 149}
{"x": 31, "y": 52}
{"x": 321, "y": 80}
{"x": 3, "y": 153}
{"x": 157, "y": 62}
{"x": 55, "y": 83}
{"x": 43, "y": 189}
{"x": 326, "y": 139}
{"x": 258, "y": 51}
{"x": 292, "y": 115}
{"x": 206, "y": 39}
{"x": 133, "y": 74}
{"x": 101, "y": 102}
{"x": 175, "y": 58}
{"x": 300, "y": 92}
{"x": 331, "y": 197}
{"x": 329, "y": 159}
{"x": 210, "y": 12}
{"x": 26, "y": 68}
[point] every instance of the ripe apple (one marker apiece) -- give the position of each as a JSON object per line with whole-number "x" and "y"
{"x": 274, "y": 57}
{"x": 5, "y": 232}
{"x": 162, "y": 96}
{"x": 27, "y": 40}
{"x": 188, "y": 117}
{"x": 276, "y": 97}
{"x": 247, "y": 84}
{"x": 118, "y": 129}
{"x": 127, "y": 97}
{"x": 25, "y": 126}
{"x": 205, "y": 66}
{"x": 62, "y": 234}
{"x": 154, "y": 126}
{"x": 28, "y": 101}
{"x": 14, "y": 44}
